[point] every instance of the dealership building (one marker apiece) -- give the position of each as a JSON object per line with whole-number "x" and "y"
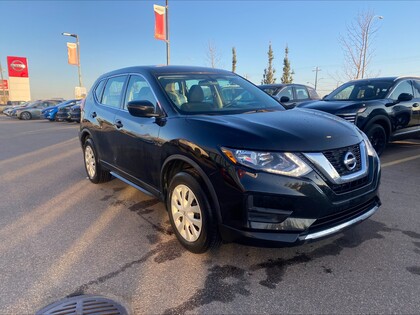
{"x": 17, "y": 87}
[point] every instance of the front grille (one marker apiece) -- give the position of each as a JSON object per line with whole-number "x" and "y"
{"x": 349, "y": 117}
{"x": 342, "y": 216}
{"x": 336, "y": 158}
{"x": 346, "y": 187}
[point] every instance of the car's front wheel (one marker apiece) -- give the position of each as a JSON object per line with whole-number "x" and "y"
{"x": 377, "y": 136}
{"x": 25, "y": 116}
{"x": 92, "y": 166}
{"x": 190, "y": 214}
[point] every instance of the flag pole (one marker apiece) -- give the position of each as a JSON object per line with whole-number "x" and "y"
{"x": 167, "y": 34}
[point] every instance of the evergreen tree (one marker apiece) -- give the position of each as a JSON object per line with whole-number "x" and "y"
{"x": 287, "y": 73}
{"x": 268, "y": 76}
{"x": 233, "y": 59}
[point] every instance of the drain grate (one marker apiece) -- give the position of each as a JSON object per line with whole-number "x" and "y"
{"x": 84, "y": 305}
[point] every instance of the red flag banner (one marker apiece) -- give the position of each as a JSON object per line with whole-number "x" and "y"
{"x": 160, "y": 25}
{"x": 72, "y": 53}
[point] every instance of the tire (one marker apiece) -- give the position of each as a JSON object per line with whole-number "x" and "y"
{"x": 93, "y": 168}
{"x": 25, "y": 116}
{"x": 190, "y": 214}
{"x": 377, "y": 136}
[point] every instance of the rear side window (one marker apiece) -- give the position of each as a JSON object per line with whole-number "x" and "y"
{"x": 99, "y": 89}
{"x": 416, "y": 86}
{"x": 113, "y": 91}
{"x": 301, "y": 93}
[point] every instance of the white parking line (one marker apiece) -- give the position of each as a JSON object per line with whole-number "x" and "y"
{"x": 401, "y": 161}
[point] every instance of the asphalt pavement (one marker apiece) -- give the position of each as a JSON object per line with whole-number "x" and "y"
{"x": 62, "y": 236}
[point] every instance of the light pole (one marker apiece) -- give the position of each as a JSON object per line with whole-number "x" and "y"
{"x": 78, "y": 55}
{"x": 2, "y": 84}
{"x": 316, "y": 70}
{"x": 380, "y": 17}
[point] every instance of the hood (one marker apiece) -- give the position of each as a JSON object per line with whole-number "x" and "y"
{"x": 335, "y": 106}
{"x": 297, "y": 130}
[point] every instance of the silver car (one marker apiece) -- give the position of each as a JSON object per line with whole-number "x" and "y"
{"x": 34, "y": 110}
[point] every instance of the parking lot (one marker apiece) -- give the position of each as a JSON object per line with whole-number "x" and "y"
{"x": 61, "y": 236}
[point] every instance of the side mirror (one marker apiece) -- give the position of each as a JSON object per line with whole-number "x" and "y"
{"x": 405, "y": 97}
{"x": 284, "y": 99}
{"x": 141, "y": 108}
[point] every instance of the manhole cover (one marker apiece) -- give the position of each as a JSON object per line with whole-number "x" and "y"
{"x": 84, "y": 305}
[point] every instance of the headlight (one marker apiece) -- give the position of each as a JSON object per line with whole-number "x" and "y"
{"x": 272, "y": 162}
{"x": 370, "y": 149}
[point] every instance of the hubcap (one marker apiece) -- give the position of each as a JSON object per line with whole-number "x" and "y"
{"x": 25, "y": 116}
{"x": 90, "y": 161}
{"x": 186, "y": 213}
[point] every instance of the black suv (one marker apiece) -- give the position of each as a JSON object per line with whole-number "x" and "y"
{"x": 240, "y": 168}
{"x": 386, "y": 109}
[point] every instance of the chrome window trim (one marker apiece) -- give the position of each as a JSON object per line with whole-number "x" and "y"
{"x": 326, "y": 168}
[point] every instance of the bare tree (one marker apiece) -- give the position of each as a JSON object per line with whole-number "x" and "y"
{"x": 357, "y": 45}
{"x": 213, "y": 57}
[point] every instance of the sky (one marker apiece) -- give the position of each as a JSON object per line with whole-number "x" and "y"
{"x": 117, "y": 34}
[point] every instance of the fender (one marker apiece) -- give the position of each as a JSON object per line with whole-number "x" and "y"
{"x": 381, "y": 118}
{"x": 202, "y": 174}
{"x": 82, "y": 135}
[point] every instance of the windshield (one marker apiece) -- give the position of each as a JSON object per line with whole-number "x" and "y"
{"x": 361, "y": 90}
{"x": 215, "y": 94}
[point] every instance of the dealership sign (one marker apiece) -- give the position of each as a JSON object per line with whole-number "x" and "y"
{"x": 17, "y": 66}
{"x": 4, "y": 85}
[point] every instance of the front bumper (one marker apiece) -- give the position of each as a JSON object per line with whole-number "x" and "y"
{"x": 277, "y": 210}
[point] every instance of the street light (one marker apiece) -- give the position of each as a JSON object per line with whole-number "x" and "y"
{"x": 78, "y": 55}
{"x": 380, "y": 17}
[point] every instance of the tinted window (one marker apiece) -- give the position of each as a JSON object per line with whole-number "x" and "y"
{"x": 313, "y": 94}
{"x": 113, "y": 91}
{"x": 416, "y": 86}
{"x": 301, "y": 93}
{"x": 361, "y": 90}
{"x": 288, "y": 91}
{"x": 138, "y": 90}
{"x": 99, "y": 89}
{"x": 402, "y": 87}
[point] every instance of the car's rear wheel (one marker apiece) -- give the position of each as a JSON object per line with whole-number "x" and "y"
{"x": 190, "y": 214}
{"x": 377, "y": 136}
{"x": 25, "y": 116}
{"x": 93, "y": 168}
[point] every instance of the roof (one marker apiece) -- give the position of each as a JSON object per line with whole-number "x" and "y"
{"x": 168, "y": 70}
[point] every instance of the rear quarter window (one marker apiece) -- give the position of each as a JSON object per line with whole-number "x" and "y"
{"x": 113, "y": 91}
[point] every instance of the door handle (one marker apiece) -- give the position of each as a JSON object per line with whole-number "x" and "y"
{"x": 416, "y": 105}
{"x": 93, "y": 114}
{"x": 118, "y": 124}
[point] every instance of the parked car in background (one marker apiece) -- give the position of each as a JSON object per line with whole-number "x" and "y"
{"x": 386, "y": 109}
{"x": 290, "y": 95}
{"x": 75, "y": 112}
{"x": 240, "y": 169}
{"x": 33, "y": 111}
{"x": 7, "y": 110}
{"x": 51, "y": 112}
